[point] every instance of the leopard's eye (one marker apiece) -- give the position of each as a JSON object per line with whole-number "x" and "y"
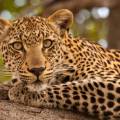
{"x": 47, "y": 43}
{"x": 17, "y": 45}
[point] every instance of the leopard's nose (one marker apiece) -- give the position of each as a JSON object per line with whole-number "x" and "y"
{"x": 37, "y": 71}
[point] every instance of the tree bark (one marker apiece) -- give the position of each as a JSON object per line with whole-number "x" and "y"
{"x": 114, "y": 27}
{"x": 15, "y": 111}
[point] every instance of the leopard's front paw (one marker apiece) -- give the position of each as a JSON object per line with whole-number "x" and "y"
{"x": 17, "y": 93}
{"x": 22, "y": 94}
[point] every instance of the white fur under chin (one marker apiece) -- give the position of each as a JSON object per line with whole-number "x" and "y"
{"x": 37, "y": 87}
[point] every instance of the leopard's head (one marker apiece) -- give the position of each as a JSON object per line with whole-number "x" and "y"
{"x": 33, "y": 47}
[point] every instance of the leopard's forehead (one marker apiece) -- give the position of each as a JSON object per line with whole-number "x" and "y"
{"x": 30, "y": 30}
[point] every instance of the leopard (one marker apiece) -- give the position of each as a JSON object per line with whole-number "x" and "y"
{"x": 51, "y": 68}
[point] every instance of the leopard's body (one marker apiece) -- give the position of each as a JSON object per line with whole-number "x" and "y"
{"x": 56, "y": 70}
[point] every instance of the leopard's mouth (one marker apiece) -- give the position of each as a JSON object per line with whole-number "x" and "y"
{"x": 32, "y": 79}
{"x": 29, "y": 79}
{"x": 37, "y": 81}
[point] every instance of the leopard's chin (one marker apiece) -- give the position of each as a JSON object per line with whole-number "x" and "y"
{"x": 37, "y": 86}
{"x": 37, "y": 81}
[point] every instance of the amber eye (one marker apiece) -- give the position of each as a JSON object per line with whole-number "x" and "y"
{"x": 47, "y": 43}
{"x": 17, "y": 45}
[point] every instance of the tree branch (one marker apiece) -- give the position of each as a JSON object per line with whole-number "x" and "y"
{"x": 15, "y": 111}
{"x": 50, "y": 6}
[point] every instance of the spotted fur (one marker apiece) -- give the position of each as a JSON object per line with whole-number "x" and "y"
{"x": 72, "y": 73}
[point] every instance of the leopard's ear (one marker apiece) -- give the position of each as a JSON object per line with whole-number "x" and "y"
{"x": 4, "y": 25}
{"x": 62, "y": 18}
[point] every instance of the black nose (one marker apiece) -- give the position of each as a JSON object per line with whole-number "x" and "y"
{"x": 37, "y": 71}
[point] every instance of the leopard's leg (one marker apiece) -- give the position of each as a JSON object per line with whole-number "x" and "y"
{"x": 100, "y": 98}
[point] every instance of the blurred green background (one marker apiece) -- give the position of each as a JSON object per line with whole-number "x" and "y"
{"x": 91, "y": 19}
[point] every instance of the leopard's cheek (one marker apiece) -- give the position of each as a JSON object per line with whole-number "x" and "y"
{"x": 12, "y": 60}
{"x": 9, "y": 62}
